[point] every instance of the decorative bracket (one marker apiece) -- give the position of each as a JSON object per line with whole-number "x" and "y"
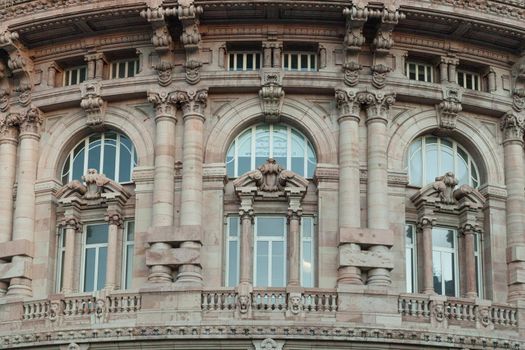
{"x": 271, "y": 95}
{"x": 93, "y": 104}
{"x": 450, "y": 107}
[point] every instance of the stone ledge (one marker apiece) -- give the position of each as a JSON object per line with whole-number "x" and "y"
{"x": 366, "y": 236}
{"x": 173, "y": 257}
{"x": 14, "y": 248}
{"x": 16, "y": 269}
{"x": 175, "y": 235}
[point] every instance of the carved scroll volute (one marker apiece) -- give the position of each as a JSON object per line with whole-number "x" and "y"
{"x": 271, "y": 95}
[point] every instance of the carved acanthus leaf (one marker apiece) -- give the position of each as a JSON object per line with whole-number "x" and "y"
{"x": 512, "y": 125}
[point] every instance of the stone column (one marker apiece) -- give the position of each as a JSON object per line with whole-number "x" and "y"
{"x": 513, "y": 125}
{"x": 294, "y": 247}
{"x": 349, "y": 183}
{"x": 443, "y": 70}
{"x": 377, "y": 107}
{"x": 71, "y": 226}
{"x": 115, "y": 223}
{"x": 51, "y": 75}
{"x": 8, "y": 148}
{"x": 469, "y": 235}
{"x": 90, "y": 74}
{"x": 99, "y": 66}
{"x": 193, "y": 105}
{"x": 425, "y": 227}
{"x": 163, "y": 178}
{"x": 24, "y": 217}
{"x": 246, "y": 253}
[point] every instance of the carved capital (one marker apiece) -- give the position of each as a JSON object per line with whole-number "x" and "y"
{"x": 71, "y": 222}
{"x": 31, "y": 121}
{"x": 470, "y": 229}
{"x": 93, "y": 104}
{"x": 348, "y": 104}
{"x": 114, "y": 218}
{"x": 271, "y": 95}
{"x": 294, "y": 213}
{"x": 192, "y": 103}
{"x": 379, "y": 75}
{"x": 425, "y": 223}
{"x": 351, "y": 73}
{"x": 10, "y": 122}
{"x": 512, "y": 125}
{"x": 164, "y": 72}
{"x": 377, "y": 105}
{"x": 165, "y": 104}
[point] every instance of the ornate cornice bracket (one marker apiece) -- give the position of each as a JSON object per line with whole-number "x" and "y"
{"x": 93, "y": 104}
{"x": 450, "y": 107}
{"x": 271, "y": 94}
{"x": 518, "y": 99}
{"x": 356, "y": 17}
{"x": 389, "y": 17}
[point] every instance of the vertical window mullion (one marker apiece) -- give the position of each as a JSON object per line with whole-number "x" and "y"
{"x": 253, "y": 143}
{"x": 102, "y": 148}
{"x": 117, "y": 158}
{"x": 289, "y": 148}
{"x": 271, "y": 140}
{"x": 423, "y": 160}
{"x": 86, "y": 152}
{"x": 270, "y": 264}
{"x": 305, "y": 156}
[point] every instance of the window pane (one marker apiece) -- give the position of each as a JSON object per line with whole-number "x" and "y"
{"x": 447, "y": 159}
{"x": 131, "y": 68}
{"x": 412, "y": 71}
{"x": 468, "y": 81}
{"x": 230, "y": 165}
{"x": 245, "y": 153}
{"x": 421, "y": 72}
{"x": 102, "y": 262}
{"x": 257, "y": 61}
{"x": 129, "y": 265}
{"x": 66, "y": 171}
{"x": 307, "y": 264}
{"x": 436, "y": 269}
{"x": 267, "y": 226}
{"x": 261, "y": 275}
{"x": 231, "y": 62}
{"x": 97, "y": 234}
{"x": 94, "y": 152}
{"x": 114, "y": 70}
{"x": 307, "y": 227}
{"x": 262, "y": 145}
{"x": 74, "y": 77}
{"x": 278, "y": 264}
{"x": 249, "y": 61}
{"x": 429, "y": 74}
{"x": 286, "y": 56}
{"x": 461, "y": 79}
{"x": 89, "y": 270}
{"x": 409, "y": 234}
{"x": 82, "y": 75}
{"x": 416, "y": 163}
{"x": 131, "y": 231}
{"x": 280, "y": 145}
{"x": 297, "y": 152}
{"x": 409, "y": 262}
{"x": 78, "y": 162}
{"x": 431, "y": 161}
{"x": 232, "y": 263}
{"x": 448, "y": 273}
{"x": 234, "y": 226}
{"x": 312, "y": 162}
{"x": 125, "y": 161}
{"x": 304, "y": 62}
{"x": 240, "y": 61}
{"x": 295, "y": 63}
{"x": 442, "y": 238}
{"x": 313, "y": 59}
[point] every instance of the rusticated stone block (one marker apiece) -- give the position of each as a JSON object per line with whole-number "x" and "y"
{"x": 176, "y": 235}
{"x": 14, "y": 248}
{"x": 366, "y": 237}
{"x": 16, "y": 269}
{"x": 516, "y": 276}
{"x": 364, "y": 259}
{"x": 515, "y": 254}
{"x": 173, "y": 257}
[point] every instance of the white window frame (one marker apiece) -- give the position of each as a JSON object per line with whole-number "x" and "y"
{"x": 411, "y": 264}
{"x": 61, "y": 250}
{"x": 114, "y": 68}
{"x": 287, "y": 61}
{"x": 455, "y": 147}
{"x": 454, "y": 251}
{"x": 417, "y": 65}
{"x": 68, "y": 82}
{"x": 125, "y": 244}
{"x": 312, "y": 249}
{"x": 101, "y": 162}
{"x": 229, "y": 239}
{"x": 307, "y": 144}
{"x": 473, "y": 78}
{"x": 478, "y": 257}
{"x": 85, "y": 247}
{"x": 270, "y": 240}
{"x": 232, "y": 58}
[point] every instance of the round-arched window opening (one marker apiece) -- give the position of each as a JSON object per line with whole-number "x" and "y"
{"x": 289, "y": 147}
{"x": 431, "y": 156}
{"x": 110, "y": 153}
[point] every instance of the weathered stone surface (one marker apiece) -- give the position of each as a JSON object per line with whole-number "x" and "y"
{"x": 366, "y": 237}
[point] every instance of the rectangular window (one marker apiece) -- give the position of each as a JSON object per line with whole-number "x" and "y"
{"x": 95, "y": 257}
{"x": 232, "y": 250}
{"x": 469, "y": 80}
{"x": 127, "y": 254}
{"x": 124, "y": 69}
{"x": 444, "y": 261}
{"x": 479, "y": 266}
{"x": 270, "y": 252}
{"x": 74, "y": 76}
{"x": 244, "y": 61}
{"x": 300, "y": 61}
{"x": 61, "y": 252}
{"x": 307, "y": 252}
{"x": 419, "y": 71}
{"x": 410, "y": 258}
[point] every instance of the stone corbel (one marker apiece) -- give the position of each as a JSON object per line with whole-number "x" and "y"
{"x": 164, "y": 71}
{"x": 20, "y": 64}
{"x": 271, "y": 95}
{"x": 356, "y": 16}
{"x": 389, "y": 18}
{"x": 93, "y": 104}
{"x": 379, "y": 75}
{"x": 351, "y": 72}
{"x": 161, "y": 38}
{"x": 188, "y": 14}
{"x": 450, "y": 107}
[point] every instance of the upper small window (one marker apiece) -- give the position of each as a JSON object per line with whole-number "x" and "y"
{"x": 430, "y": 157}
{"x": 110, "y": 153}
{"x": 74, "y": 76}
{"x": 469, "y": 80}
{"x": 124, "y": 69}
{"x": 300, "y": 61}
{"x": 419, "y": 71}
{"x": 286, "y": 145}
{"x": 244, "y": 61}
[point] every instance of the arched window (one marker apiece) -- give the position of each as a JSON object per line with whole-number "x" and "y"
{"x": 111, "y": 153}
{"x": 290, "y": 148}
{"x": 431, "y": 156}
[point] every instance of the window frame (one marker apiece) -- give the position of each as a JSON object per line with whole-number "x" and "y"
{"x": 85, "y": 247}
{"x": 287, "y": 61}
{"x": 257, "y": 56}
{"x": 478, "y": 261}
{"x": 270, "y": 263}
{"x": 78, "y": 69}
{"x": 124, "y": 263}
{"x": 312, "y": 240}
{"x": 413, "y": 261}
{"x": 61, "y": 251}
{"x": 114, "y": 68}
{"x": 427, "y": 67}
{"x": 475, "y": 79}
{"x": 455, "y": 252}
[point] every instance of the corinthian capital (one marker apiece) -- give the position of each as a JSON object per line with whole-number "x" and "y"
{"x": 164, "y": 103}
{"x": 9, "y": 124}
{"x": 348, "y": 104}
{"x": 71, "y": 222}
{"x": 31, "y": 121}
{"x": 512, "y": 125}
{"x": 377, "y": 104}
{"x": 192, "y": 103}
{"x": 114, "y": 218}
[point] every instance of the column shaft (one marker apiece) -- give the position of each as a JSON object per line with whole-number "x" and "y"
{"x": 68, "y": 264}
{"x": 114, "y": 224}
{"x": 428, "y": 275}
{"x": 470, "y": 265}
{"x": 294, "y": 243}
{"x": 246, "y": 258}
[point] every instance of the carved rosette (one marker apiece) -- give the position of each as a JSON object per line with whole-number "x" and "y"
{"x": 31, "y": 121}
{"x": 164, "y": 103}
{"x": 351, "y": 73}
{"x": 379, "y": 75}
{"x": 377, "y": 104}
{"x": 512, "y": 125}
{"x": 93, "y": 104}
{"x": 164, "y": 72}
{"x": 348, "y": 104}
{"x": 192, "y": 103}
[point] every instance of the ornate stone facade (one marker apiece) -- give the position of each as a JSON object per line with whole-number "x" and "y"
{"x": 132, "y": 170}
